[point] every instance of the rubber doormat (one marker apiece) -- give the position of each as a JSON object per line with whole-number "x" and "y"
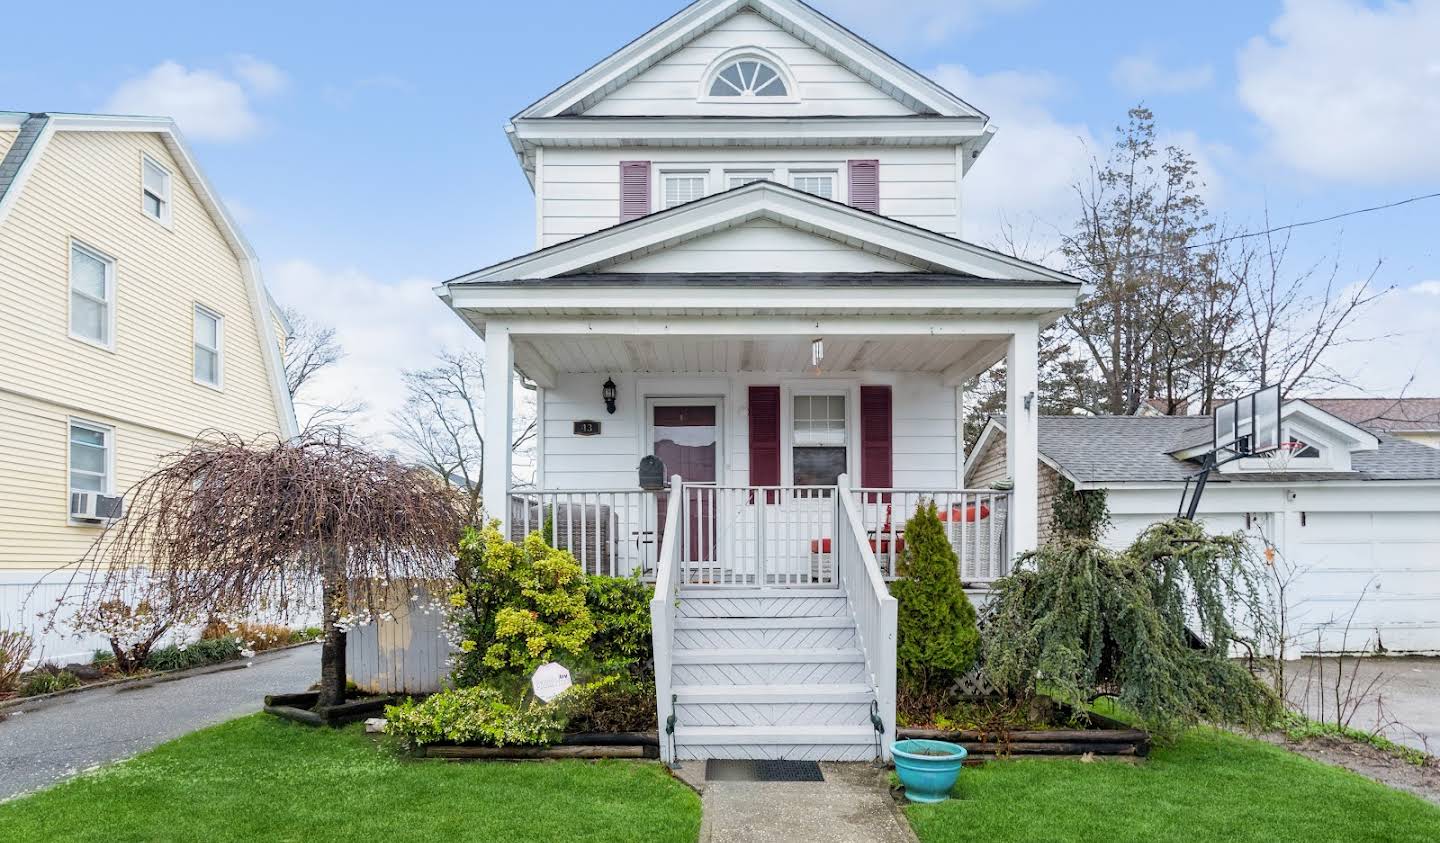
{"x": 720, "y": 770}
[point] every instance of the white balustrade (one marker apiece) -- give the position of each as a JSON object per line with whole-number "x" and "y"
{"x": 611, "y": 532}
{"x": 875, "y": 611}
{"x": 662, "y": 618}
{"x": 974, "y": 521}
{"x": 758, "y": 536}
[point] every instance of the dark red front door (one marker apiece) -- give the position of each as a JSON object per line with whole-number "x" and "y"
{"x": 687, "y": 441}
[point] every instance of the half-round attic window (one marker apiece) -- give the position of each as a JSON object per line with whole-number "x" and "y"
{"x": 748, "y": 77}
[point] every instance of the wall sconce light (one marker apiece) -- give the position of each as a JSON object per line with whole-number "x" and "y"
{"x": 608, "y": 392}
{"x": 1029, "y": 400}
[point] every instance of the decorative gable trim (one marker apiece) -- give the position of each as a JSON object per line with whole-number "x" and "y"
{"x": 871, "y": 232}
{"x": 862, "y": 58}
{"x": 260, "y": 301}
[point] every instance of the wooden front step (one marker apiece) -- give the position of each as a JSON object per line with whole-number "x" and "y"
{"x": 796, "y": 743}
{"x": 752, "y": 603}
{"x": 768, "y": 667}
{"x": 774, "y": 705}
{"x": 778, "y": 633}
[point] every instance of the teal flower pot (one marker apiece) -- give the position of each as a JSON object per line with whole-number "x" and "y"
{"x": 928, "y": 769}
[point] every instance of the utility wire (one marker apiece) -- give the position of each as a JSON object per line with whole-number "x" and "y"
{"x": 1302, "y": 224}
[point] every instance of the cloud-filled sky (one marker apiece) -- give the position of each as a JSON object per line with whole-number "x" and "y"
{"x": 363, "y": 150}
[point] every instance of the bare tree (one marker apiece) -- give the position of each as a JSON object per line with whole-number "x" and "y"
{"x": 229, "y": 527}
{"x": 442, "y": 426}
{"x": 310, "y": 349}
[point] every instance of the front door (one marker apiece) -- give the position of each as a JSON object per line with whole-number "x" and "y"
{"x": 686, "y": 437}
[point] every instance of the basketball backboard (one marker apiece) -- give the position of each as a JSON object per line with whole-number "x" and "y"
{"x": 1249, "y": 425}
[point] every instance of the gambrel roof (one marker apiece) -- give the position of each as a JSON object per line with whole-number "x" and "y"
{"x": 885, "y": 72}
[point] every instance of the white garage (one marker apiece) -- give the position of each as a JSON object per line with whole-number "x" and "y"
{"x": 1353, "y": 517}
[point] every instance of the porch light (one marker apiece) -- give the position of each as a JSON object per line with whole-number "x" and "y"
{"x": 608, "y": 392}
{"x": 817, "y": 352}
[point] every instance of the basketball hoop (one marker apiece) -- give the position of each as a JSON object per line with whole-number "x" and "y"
{"x": 1278, "y": 460}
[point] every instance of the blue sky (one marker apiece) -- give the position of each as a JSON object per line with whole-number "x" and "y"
{"x": 362, "y": 147}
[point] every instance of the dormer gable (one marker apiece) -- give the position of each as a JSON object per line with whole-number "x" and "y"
{"x": 1314, "y": 441}
{"x": 670, "y": 61}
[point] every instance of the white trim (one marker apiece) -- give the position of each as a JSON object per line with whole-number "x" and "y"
{"x": 249, "y": 264}
{"x": 108, "y": 431}
{"x": 849, "y": 388}
{"x": 982, "y": 442}
{"x": 166, "y": 217}
{"x": 218, "y": 350}
{"x": 111, "y": 294}
{"x": 776, "y": 202}
{"x": 837, "y": 193}
{"x": 663, "y": 176}
{"x": 763, "y": 56}
{"x": 822, "y": 33}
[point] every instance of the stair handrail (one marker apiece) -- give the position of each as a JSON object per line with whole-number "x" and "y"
{"x": 662, "y": 617}
{"x": 875, "y": 610}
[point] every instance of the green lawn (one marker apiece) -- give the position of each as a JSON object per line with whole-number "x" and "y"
{"x": 1207, "y": 786}
{"x": 258, "y": 778}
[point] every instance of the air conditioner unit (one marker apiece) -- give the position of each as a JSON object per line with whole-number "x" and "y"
{"x": 93, "y": 506}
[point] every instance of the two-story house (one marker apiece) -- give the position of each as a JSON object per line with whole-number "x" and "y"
{"x": 132, "y": 319}
{"x": 749, "y": 264}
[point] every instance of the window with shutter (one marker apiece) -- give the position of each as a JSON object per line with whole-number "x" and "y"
{"x": 634, "y": 190}
{"x": 865, "y": 185}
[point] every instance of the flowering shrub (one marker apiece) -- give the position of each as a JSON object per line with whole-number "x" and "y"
{"x": 476, "y": 715}
{"x": 515, "y": 607}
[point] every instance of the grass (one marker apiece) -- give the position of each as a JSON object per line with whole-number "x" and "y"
{"x": 259, "y": 778}
{"x": 1208, "y": 785}
{"x": 1298, "y": 727}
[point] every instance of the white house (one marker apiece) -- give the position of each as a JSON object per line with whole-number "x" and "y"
{"x": 748, "y": 263}
{"x": 1352, "y": 516}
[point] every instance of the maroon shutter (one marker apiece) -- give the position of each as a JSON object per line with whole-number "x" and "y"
{"x": 865, "y": 185}
{"x": 764, "y": 436}
{"x": 634, "y": 190}
{"x": 876, "y": 430}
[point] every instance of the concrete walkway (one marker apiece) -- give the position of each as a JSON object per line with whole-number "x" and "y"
{"x": 1404, "y": 702}
{"x": 54, "y": 739}
{"x": 852, "y": 805}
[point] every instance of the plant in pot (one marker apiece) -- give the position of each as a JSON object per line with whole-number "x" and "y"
{"x": 938, "y": 642}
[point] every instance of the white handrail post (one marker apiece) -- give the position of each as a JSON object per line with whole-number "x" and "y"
{"x": 662, "y": 615}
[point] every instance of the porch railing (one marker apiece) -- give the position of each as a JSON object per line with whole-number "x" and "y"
{"x": 875, "y": 611}
{"x": 975, "y": 521}
{"x": 662, "y": 620}
{"x": 614, "y": 532}
{"x": 758, "y": 536}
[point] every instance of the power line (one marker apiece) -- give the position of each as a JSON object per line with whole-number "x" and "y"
{"x": 1304, "y": 223}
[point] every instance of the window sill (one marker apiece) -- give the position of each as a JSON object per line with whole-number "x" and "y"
{"x": 110, "y": 347}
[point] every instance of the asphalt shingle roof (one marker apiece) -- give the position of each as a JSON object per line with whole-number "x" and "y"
{"x": 1384, "y": 414}
{"x": 19, "y": 150}
{"x": 1136, "y": 449}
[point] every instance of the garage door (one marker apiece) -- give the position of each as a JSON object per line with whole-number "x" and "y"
{"x": 1376, "y": 573}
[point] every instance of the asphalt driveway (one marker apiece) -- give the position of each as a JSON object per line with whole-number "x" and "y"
{"x": 54, "y": 739}
{"x": 1404, "y": 702}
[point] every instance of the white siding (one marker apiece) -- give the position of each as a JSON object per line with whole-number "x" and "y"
{"x": 580, "y": 188}
{"x": 760, "y": 246}
{"x": 672, "y": 87}
{"x": 925, "y": 441}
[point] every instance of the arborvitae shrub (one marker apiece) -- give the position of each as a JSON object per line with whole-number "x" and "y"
{"x": 938, "y": 639}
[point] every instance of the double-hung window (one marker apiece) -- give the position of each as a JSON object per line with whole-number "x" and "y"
{"x": 91, "y": 457}
{"x": 818, "y": 447}
{"x": 92, "y": 296}
{"x": 819, "y": 183}
{"x": 155, "y": 190}
{"x": 209, "y": 350}
{"x": 740, "y": 178}
{"x": 680, "y": 188}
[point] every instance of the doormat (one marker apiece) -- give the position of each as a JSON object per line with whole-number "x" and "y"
{"x": 723, "y": 770}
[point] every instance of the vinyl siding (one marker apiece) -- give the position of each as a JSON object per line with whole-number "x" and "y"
{"x": 925, "y": 442}
{"x": 760, "y": 246}
{"x": 990, "y": 468}
{"x": 580, "y": 188}
{"x": 86, "y": 187}
{"x": 672, "y": 86}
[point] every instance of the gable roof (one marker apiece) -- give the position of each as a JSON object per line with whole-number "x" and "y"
{"x": 857, "y": 55}
{"x": 1415, "y": 415}
{"x": 43, "y": 126}
{"x": 928, "y": 251}
{"x": 1101, "y": 450}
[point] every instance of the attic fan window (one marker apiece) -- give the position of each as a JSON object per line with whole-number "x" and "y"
{"x": 748, "y": 78}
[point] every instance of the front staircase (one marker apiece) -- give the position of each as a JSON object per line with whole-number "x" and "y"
{"x": 774, "y": 632}
{"x": 775, "y": 674}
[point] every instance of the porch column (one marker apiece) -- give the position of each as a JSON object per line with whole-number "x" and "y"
{"x": 1022, "y": 452}
{"x": 499, "y": 404}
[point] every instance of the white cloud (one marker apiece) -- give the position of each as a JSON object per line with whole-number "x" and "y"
{"x": 383, "y": 327}
{"x": 1349, "y": 91}
{"x": 259, "y": 76}
{"x": 1143, "y": 74}
{"x": 207, "y": 104}
{"x": 906, "y": 21}
{"x": 1025, "y": 176}
{"x": 1404, "y": 348}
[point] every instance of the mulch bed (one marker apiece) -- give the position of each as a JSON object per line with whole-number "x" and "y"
{"x": 304, "y": 708}
{"x": 1102, "y": 737}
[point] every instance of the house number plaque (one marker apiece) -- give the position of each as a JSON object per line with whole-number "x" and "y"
{"x": 587, "y": 428}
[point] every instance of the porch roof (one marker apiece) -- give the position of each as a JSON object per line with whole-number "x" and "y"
{"x": 776, "y": 279}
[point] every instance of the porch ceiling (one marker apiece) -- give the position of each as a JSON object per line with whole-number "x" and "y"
{"x": 956, "y": 357}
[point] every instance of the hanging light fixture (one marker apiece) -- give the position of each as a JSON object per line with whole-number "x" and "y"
{"x": 609, "y": 393}
{"x": 817, "y": 352}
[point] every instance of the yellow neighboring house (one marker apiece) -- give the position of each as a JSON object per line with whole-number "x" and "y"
{"x": 132, "y": 318}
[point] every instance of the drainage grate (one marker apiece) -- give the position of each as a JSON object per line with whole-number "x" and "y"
{"x": 720, "y": 770}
